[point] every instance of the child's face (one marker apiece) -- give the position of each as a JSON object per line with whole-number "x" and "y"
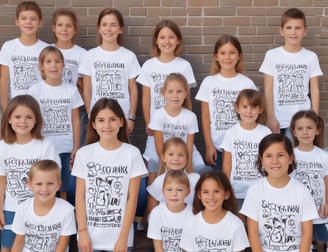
{"x": 167, "y": 41}
{"x": 64, "y": 29}
{"x": 228, "y": 57}
{"x": 28, "y": 22}
{"x": 293, "y": 32}
{"x": 276, "y": 161}
{"x": 44, "y": 185}
{"x": 52, "y": 66}
{"x": 175, "y": 157}
{"x": 22, "y": 121}
{"x": 212, "y": 195}
{"x": 109, "y": 29}
{"x": 305, "y": 131}
{"x": 248, "y": 113}
{"x": 174, "y": 93}
{"x": 174, "y": 194}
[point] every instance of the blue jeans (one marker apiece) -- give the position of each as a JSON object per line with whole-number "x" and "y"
{"x": 142, "y": 198}
{"x": 218, "y": 161}
{"x": 68, "y": 181}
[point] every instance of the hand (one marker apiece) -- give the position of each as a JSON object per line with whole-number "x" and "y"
{"x": 121, "y": 246}
{"x": 149, "y": 132}
{"x": 323, "y": 211}
{"x": 84, "y": 243}
{"x": 211, "y": 155}
{"x": 2, "y": 220}
{"x": 130, "y": 126}
{"x": 273, "y": 124}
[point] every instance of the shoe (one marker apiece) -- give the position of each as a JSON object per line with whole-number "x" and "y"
{"x": 140, "y": 226}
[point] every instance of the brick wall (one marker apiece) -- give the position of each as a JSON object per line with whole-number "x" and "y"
{"x": 254, "y": 22}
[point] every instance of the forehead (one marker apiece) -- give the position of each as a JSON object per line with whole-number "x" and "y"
{"x": 109, "y": 18}
{"x": 28, "y": 13}
{"x": 166, "y": 31}
{"x": 294, "y": 21}
{"x": 276, "y": 147}
{"x": 175, "y": 148}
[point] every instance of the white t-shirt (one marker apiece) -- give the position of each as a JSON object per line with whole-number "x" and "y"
{"x": 15, "y": 162}
{"x": 22, "y": 62}
{"x": 228, "y": 234}
{"x": 243, "y": 145}
{"x": 311, "y": 169}
{"x": 279, "y": 213}
{"x": 156, "y": 188}
{"x": 167, "y": 226}
{"x": 57, "y": 103}
{"x": 107, "y": 175}
{"x": 110, "y": 72}
{"x": 220, "y": 93}
{"x": 291, "y": 74}
{"x": 43, "y": 232}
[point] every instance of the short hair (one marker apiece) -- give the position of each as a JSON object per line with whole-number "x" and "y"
{"x": 44, "y": 53}
{"x": 68, "y": 13}
{"x": 44, "y": 165}
{"x": 292, "y": 13}
{"x": 176, "y": 175}
{"x": 29, "y": 6}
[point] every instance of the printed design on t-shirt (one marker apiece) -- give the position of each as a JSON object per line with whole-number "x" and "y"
{"x": 210, "y": 245}
{"x": 56, "y": 116}
{"x": 109, "y": 79}
{"x": 291, "y": 83}
{"x": 246, "y": 156}
{"x": 105, "y": 192}
{"x": 280, "y": 226}
{"x": 25, "y": 72}
{"x": 224, "y": 115}
{"x": 40, "y": 238}
{"x": 17, "y": 175}
{"x": 172, "y": 130}
{"x": 70, "y": 67}
{"x": 171, "y": 239}
{"x": 310, "y": 174}
{"x": 158, "y": 80}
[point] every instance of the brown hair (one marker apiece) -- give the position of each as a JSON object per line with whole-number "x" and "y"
{"x": 176, "y": 175}
{"x": 225, "y": 39}
{"x": 28, "y": 6}
{"x": 155, "y": 51}
{"x": 292, "y": 13}
{"x": 44, "y": 53}
{"x": 7, "y": 133}
{"x": 44, "y": 165}
{"x": 68, "y": 13}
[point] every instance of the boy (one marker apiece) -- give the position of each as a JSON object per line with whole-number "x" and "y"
{"x": 291, "y": 75}
{"x": 19, "y": 57}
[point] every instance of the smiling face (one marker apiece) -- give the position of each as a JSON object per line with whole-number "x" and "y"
{"x": 175, "y": 157}
{"x": 228, "y": 57}
{"x": 28, "y": 22}
{"x": 174, "y": 93}
{"x": 167, "y": 41}
{"x": 174, "y": 194}
{"x": 64, "y": 29}
{"x": 52, "y": 67}
{"x": 293, "y": 32}
{"x": 22, "y": 121}
{"x": 109, "y": 29}
{"x": 305, "y": 131}
{"x": 248, "y": 113}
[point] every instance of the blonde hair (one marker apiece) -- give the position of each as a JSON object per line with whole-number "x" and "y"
{"x": 44, "y": 53}
{"x": 44, "y": 166}
{"x": 178, "y": 176}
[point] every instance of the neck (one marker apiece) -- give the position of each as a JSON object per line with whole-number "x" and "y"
{"x": 110, "y": 46}
{"x": 213, "y": 217}
{"x": 28, "y": 40}
{"x": 53, "y": 82}
{"x": 64, "y": 45}
{"x": 293, "y": 48}
{"x": 228, "y": 73}
{"x": 305, "y": 147}
{"x": 166, "y": 57}
{"x": 43, "y": 208}
{"x": 23, "y": 139}
{"x": 176, "y": 209}
{"x": 173, "y": 111}
{"x": 248, "y": 126}
{"x": 279, "y": 182}
{"x": 110, "y": 145}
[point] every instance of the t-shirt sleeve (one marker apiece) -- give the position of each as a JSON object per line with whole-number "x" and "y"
{"x": 240, "y": 239}
{"x": 76, "y": 99}
{"x": 69, "y": 223}
{"x": 154, "y": 231}
{"x": 85, "y": 67}
{"x": 250, "y": 204}
{"x": 189, "y": 75}
{"x": 49, "y": 152}
{"x": 134, "y": 69}
{"x": 78, "y": 166}
{"x": 186, "y": 241}
{"x": 18, "y": 226}
{"x": 203, "y": 92}
{"x": 266, "y": 66}
{"x": 4, "y": 55}
{"x": 156, "y": 122}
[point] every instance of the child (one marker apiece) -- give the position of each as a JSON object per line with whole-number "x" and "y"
{"x": 291, "y": 74}
{"x": 218, "y": 93}
{"x": 279, "y": 209}
{"x": 166, "y": 220}
{"x": 215, "y": 226}
{"x": 167, "y": 46}
{"x": 21, "y": 145}
{"x": 110, "y": 69}
{"x": 59, "y": 102}
{"x": 107, "y": 171}
{"x": 240, "y": 142}
{"x": 312, "y": 165}
{"x": 19, "y": 57}
{"x": 44, "y": 222}
{"x": 175, "y": 156}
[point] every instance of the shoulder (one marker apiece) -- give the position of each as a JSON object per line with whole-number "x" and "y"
{"x": 308, "y": 52}
{"x": 64, "y": 205}
{"x": 79, "y": 49}
{"x": 126, "y": 51}
{"x": 9, "y": 43}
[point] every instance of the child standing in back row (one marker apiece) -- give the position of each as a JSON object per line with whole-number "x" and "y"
{"x": 291, "y": 75}
{"x": 218, "y": 93}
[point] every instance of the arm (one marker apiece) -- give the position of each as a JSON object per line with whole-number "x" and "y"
{"x": 190, "y": 145}
{"x": 272, "y": 122}
{"x": 2, "y": 199}
{"x": 4, "y": 86}
{"x": 84, "y": 243}
{"x": 62, "y": 244}
{"x": 131, "y": 205}
{"x": 158, "y": 247}
{"x": 79, "y": 85}
{"x": 18, "y": 243}
{"x": 87, "y": 91}
{"x": 227, "y": 163}
{"x": 323, "y": 210}
{"x": 133, "y": 91}
{"x": 146, "y": 108}
{"x": 253, "y": 235}
{"x": 210, "y": 149}
{"x": 159, "y": 141}
{"x": 151, "y": 203}
{"x": 315, "y": 94}
{"x": 306, "y": 239}
{"x": 76, "y": 132}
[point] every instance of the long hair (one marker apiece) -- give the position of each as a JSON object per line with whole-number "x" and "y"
{"x": 67, "y": 13}
{"x": 44, "y": 53}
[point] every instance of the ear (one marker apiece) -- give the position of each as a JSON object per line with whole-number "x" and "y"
{"x": 29, "y": 183}
{"x": 291, "y": 158}
{"x": 93, "y": 125}
{"x": 53, "y": 28}
{"x": 226, "y": 195}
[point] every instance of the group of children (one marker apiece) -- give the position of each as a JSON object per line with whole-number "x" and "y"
{"x": 50, "y": 92}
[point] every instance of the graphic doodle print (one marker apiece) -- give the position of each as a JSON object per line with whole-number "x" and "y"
{"x": 105, "y": 194}
{"x": 108, "y": 80}
{"x": 224, "y": 115}
{"x": 25, "y": 72}
{"x": 173, "y": 130}
{"x": 40, "y": 238}
{"x": 246, "y": 156}
{"x": 280, "y": 226}
{"x": 70, "y": 67}
{"x": 56, "y": 115}
{"x": 158, "y": 80}
{"x": 207, "y": 245}
{"x": 291, "y": 83}
{"x": 171, "y": 239}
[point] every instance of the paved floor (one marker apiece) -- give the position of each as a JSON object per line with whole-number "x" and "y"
{"x": 141, "y": 242}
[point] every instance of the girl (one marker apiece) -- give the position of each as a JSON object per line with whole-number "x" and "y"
{"x": 240, "y": 142}
{"x": 21, "y": 145}
{"x": 44, "y": 217}
{"x": 166, "y": 220}
{"x": 215, "y": 226}
{"x": 312, "y": 165}
{"x": 167, "y": 46}
{"x": 175, "y": 156}
{"x": 109, "y": 70}
{"x": 279, "y": 209}
{"x": 59, "y": 102}
{"x": 107, "y": 171}
{"x": 218, "y": 93}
